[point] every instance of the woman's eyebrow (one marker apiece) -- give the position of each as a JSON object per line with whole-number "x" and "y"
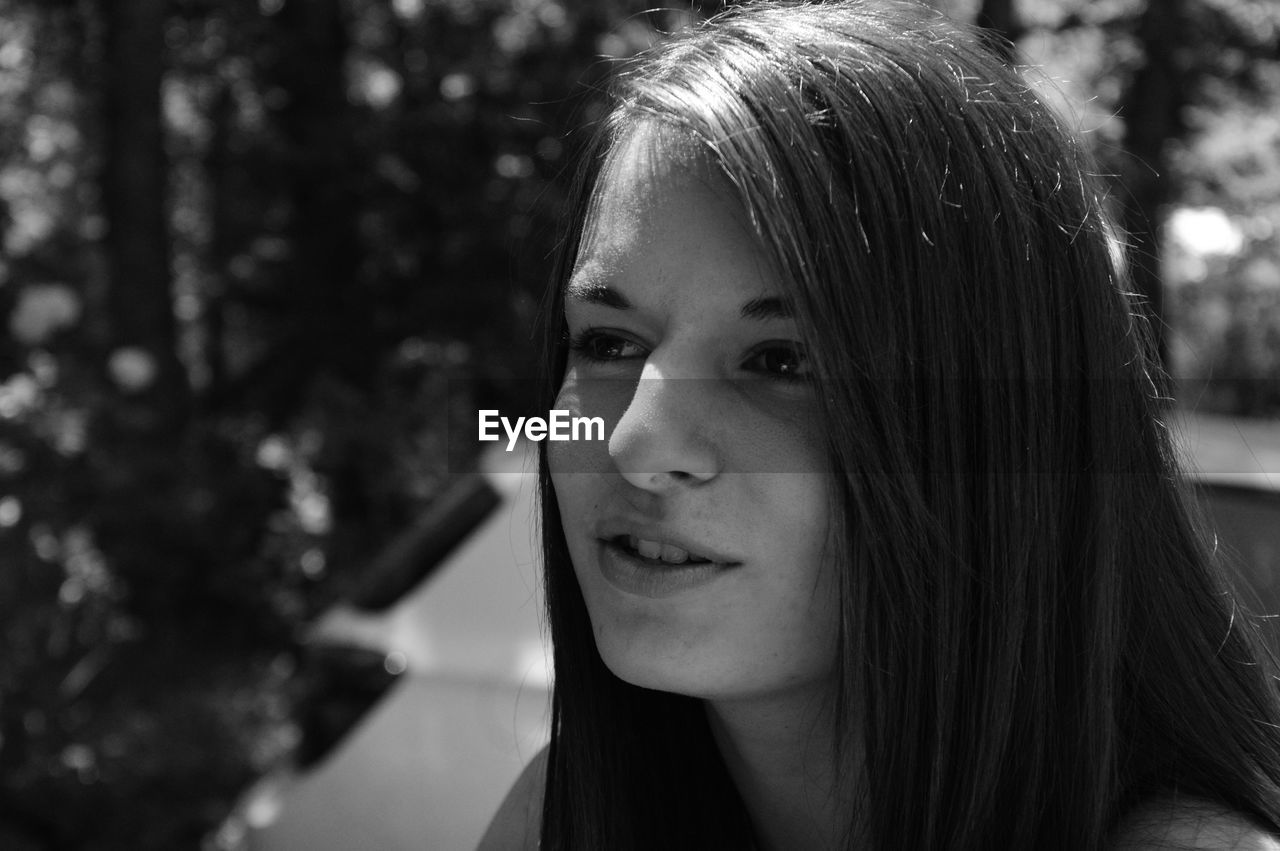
{"x": 593, "y": 292}
{"x": 769, "y": 307}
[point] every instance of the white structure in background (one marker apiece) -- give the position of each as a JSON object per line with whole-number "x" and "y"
{"x": 429, "y": 764}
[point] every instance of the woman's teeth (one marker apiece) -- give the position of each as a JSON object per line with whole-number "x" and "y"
{"x": 669, "y": 553}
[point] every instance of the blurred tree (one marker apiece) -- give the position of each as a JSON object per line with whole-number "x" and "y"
{"x": 1001, "y": 18}
{"x": 258, "y": 256}
{"x": 1152, "y": 109}
{"x": 143, "y": 360}
{"x": 1160, "y": 71}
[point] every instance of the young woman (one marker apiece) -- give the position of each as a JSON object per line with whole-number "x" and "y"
{"x": 886, "y": 547}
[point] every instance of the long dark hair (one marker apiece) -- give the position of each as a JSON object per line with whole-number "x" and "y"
{"x": 1034, "y": 638}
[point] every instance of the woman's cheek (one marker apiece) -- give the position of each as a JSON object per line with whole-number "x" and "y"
{"x": 589, "y": 399}
{"x": 579, "y": 468}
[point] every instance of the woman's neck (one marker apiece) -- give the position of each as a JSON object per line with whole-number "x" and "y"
{"x": 780, "y": 753}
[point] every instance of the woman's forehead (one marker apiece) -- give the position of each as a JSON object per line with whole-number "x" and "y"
{"x": 658, "y": 225}
{"x": 649, "y": 156}
{"x": 652, "y": 169}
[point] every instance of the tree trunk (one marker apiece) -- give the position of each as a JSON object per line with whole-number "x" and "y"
{"x": 154, "y": 391}
{"x": 332, "y": 308}
{"x": 1152, "y": 109}
{"x": 218, "y": 170}
{"x": 1001, "y": 19}
{"x": 332, "y": 311}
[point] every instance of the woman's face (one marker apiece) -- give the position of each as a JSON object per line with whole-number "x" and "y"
{"x": 699, "y": 528}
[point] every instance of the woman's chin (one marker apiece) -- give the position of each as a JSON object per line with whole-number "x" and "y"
{"x": 642, "y": 670}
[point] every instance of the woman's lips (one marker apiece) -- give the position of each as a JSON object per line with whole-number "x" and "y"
{"x": 660, "y": 544}
{"x": 629, "y": 570}
{"x": 659, "y": 550}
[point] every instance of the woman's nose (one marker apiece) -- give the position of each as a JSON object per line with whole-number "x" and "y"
{"x": 662, "y": 440}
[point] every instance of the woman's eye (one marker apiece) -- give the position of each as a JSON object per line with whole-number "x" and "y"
{"x": 603, "y": 346}
{"x": 784, "y": 360}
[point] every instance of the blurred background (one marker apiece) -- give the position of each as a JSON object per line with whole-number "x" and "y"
{"x": 257, "y": 257}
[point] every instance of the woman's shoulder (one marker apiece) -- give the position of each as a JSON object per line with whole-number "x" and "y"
{"x": 518, "y": 823}
{"x": 1167, "y": 824}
